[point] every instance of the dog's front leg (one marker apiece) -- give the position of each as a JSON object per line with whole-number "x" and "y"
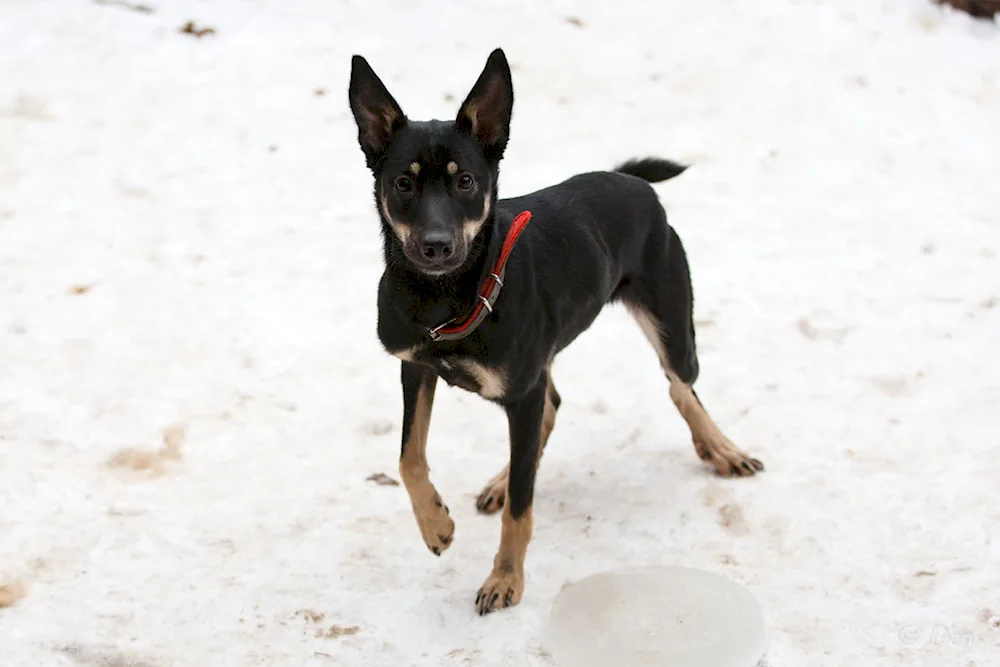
{"x": 505, "y": 585}
{"x": 436, "y": 525}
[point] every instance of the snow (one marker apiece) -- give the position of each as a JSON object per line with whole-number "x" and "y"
{"x": 187, "y": 239}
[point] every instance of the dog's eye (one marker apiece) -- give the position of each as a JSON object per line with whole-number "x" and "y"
{"x": 403, "y": 184}
{"x": 466, "y": 181}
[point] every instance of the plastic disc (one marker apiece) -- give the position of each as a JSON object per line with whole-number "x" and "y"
{"x": 656, "y": 616}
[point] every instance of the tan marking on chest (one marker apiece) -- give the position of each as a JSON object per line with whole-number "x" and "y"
{"x": 492, "y": 382}
{"x": 407, "y": 354}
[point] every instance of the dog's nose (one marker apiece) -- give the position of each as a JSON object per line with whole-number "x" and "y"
{"x": 438, "y": 246}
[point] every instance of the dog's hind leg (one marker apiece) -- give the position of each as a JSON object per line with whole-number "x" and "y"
{"x": 661, "y": 302}
{"x": 494, "y": 494}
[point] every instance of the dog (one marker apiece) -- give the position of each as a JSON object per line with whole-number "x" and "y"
{"x": 485, "y": 292}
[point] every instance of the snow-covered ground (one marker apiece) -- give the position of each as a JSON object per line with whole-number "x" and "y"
{"x": 188, "y": 246}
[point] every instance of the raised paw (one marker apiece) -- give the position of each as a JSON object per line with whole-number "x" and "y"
{"x": 493, "y": 495}
{"x": 728, "y": 459}
{"x": 500, "y": 590}
{"x": 436, "y": 525}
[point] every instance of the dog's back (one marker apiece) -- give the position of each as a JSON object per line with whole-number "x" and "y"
{"x": 609, "y": 201}
{"x": 592, "y": 232}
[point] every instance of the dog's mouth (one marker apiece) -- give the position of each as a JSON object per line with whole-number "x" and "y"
{"x": 437, "y": 268}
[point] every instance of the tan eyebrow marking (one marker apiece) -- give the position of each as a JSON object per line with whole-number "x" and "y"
{"x": 415, "y": 168}
{"x": 452, "y": 168}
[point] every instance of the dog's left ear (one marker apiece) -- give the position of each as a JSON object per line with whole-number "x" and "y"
{"x": 486, "y": 111}
{"x": 376, "y": 112}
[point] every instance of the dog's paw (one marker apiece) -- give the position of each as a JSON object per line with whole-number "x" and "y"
{"x": 500, "y": 590}
{"x": 436, "y": 525}
{"x": 728, "y": 459}
{"x": 493, "y": 495}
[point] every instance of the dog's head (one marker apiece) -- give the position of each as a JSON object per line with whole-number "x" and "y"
{"x": 435, "y": 181}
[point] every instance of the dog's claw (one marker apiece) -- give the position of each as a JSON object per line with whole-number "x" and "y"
{"x": 728, "y": 460}
{"x": 491, "y": 498}
{"x": 436, "y": 527}
{"x": 490, "y": 501}
{"x": 501, "y": 590}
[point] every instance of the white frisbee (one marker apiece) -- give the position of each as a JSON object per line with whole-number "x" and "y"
{"x": 656, "y": 616}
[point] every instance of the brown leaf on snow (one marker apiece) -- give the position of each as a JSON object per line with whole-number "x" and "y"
{"x": 310, "y": 615}
{"x": 138, "y": 459}
{"x": 190, "y": 28}
{"x": 336, "y": 631}
{"x": 11, "y": 591}
{"x": 381, "y": 479}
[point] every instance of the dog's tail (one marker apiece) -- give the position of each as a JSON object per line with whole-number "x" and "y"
{"x": 651, "y": 169}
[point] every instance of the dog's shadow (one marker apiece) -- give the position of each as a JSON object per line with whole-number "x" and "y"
{"x": 639, "y": 482}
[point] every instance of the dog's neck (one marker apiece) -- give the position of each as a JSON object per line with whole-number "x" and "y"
{"x": 431, "y": 300}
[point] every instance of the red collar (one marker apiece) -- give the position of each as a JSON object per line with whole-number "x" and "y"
{"x": 488, "y": 292}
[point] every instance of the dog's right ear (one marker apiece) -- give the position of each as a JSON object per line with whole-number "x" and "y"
{"x": 377, "y": 114}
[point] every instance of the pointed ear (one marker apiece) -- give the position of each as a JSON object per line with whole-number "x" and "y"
{"x": 377, "y": 114}
{"x": 485, "y": 114}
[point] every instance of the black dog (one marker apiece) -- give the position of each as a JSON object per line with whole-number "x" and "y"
{"x": 558, "y": 255}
